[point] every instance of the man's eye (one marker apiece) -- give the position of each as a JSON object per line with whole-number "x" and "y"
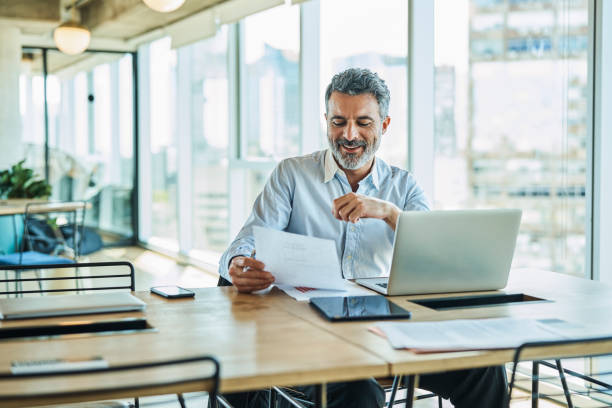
{"x": 364, "y": 123}
{"x": 337, "y": 123}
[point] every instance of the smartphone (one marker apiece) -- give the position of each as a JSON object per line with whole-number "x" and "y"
{"x": 172, "y": 292}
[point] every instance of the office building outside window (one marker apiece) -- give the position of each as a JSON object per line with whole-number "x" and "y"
{"x": 209, "y": 129}
{"x": 511, "y": 120}
{"x": 270, "y": 86}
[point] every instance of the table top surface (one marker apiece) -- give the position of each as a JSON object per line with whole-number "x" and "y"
{"x": 270, "y": 339}
{"x": 39, "y": 207}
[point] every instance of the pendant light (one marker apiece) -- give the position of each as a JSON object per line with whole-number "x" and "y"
{"x": 71, "y": 37}
{"x": 164, "y": 6}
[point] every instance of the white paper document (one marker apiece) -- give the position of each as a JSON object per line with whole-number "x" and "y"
{"x": 302, "y": 294}
{"x": 298, "y": 260}
{"x": 47, "y": 366}
{"x": 477, "y": 334}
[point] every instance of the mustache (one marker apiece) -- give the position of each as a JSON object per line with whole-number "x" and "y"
{"x": 351, "y": 144}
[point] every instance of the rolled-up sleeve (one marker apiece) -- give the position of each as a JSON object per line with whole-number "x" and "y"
{"x": 272, "y": 209}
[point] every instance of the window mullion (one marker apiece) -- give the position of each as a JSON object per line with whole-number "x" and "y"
{"x": 421, "y": 93}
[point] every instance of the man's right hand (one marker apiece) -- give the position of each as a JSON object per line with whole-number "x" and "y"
{"x": 248, "y": 274}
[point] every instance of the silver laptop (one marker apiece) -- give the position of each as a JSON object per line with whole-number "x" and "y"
{"x": 450, "y": 251}
{"x": 65, "y": 305}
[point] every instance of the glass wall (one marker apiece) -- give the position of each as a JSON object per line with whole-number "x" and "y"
{"x": 270, "y": 85}
{"x": 511, "y": 120}
{"x": 510, "y": 113}
{"x": 209, "y": 126}
{"x": 90, "y": 125}
{"x": 163, "y": 137}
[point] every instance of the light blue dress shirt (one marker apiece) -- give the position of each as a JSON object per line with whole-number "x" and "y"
{"x": 298, "y": 198}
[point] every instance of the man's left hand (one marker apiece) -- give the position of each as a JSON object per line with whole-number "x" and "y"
{"x": 351, "y": 207}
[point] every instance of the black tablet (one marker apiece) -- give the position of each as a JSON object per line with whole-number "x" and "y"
{"x": 358, "y": 308}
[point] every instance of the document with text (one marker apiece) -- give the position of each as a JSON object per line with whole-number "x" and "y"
{"x": 478, "y": 334}
{"x": 299, "y": 260}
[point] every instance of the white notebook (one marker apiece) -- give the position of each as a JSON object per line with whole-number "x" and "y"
{"x": 65, "y": 305}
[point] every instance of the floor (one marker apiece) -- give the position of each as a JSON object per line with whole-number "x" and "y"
{"x": 154, "y": 269}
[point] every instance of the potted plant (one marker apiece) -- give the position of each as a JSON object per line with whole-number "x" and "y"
{"x": 20, "y": 182}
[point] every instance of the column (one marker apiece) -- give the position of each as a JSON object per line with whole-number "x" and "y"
{"x": 11, "y": 149}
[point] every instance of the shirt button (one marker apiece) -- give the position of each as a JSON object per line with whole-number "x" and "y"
{"x": 353, "y": 229}
{"x": 348, "y": 257}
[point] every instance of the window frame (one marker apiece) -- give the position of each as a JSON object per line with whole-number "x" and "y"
{"x": 599, "y": 184}
{"x": 421, "y": 68}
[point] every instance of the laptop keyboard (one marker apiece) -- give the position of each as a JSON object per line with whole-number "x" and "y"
{"x": 382, "y": 284}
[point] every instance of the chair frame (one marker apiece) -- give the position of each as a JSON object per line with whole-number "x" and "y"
{"x": 77, "y": 278}
{"x": 30, "y": 209}
{"x": 558, "y": 366}
{"x": 26, "y": 240}
{"x": 140, "y": 366}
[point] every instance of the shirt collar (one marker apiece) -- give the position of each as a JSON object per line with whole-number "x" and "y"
{"x": 331, "y": 168}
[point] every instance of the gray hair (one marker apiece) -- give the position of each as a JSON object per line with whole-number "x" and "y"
{"x": 357, "y": 81}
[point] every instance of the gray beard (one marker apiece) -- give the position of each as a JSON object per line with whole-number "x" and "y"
{"x": 352, "y": 161}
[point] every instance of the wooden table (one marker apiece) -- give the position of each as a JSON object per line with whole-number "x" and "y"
{"x": 565, "y": 297}
{"x": 257, "y": 344}
{"x": 40, "y": 207}
{"x": 265, "y": 340}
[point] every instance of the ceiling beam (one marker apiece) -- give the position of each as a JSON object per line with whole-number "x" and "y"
{"x": 94, "y": 13}
{"x": 45, "y": 10}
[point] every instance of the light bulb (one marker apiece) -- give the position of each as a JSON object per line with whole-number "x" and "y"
{"x": 164, "y": 6}
{"x": 71, "y": 38}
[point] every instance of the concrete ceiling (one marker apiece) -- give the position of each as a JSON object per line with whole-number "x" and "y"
{"x": 111, "y": 23}
{"x": 106, "y": 19}
{"x": 125, "y": 19}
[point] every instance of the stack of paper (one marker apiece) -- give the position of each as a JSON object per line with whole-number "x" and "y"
{"x": 305, "y": 294}
{"x": 453, "y": 335}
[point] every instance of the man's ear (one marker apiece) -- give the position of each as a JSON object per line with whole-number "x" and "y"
{"x": 325, "y": 115}
{"x": 385, "y": 124}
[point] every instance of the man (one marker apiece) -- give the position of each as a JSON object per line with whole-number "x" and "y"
{"x": 348, "y": 195}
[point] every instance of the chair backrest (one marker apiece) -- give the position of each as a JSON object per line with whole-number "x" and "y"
{"x": 575, "y": 348}
{"x": 223, "y": 282}
{"x": 40, "y": 236}
{"x": 129, "y": 387}
{"x": 95, "y": 272}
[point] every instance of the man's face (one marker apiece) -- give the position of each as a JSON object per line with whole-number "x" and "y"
{"x": 354, "y": 129}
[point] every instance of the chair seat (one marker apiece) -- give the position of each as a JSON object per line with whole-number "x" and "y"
{"x": 33, "y": 258}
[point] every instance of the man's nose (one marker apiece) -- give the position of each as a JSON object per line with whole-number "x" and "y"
{"x": 351, "y": 132}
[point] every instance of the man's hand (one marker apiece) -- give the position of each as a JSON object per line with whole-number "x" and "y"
{"x": 248, "y": 274}
{"x": 351, "y": 207}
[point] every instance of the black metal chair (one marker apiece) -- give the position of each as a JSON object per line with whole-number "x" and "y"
{"x": 209, "y": 382}
{"x": 41, "y": 243}
{"x": 598, "y": 388}
{"x": 127, "y": 281}
{"x": 223, "y": 282}
{"x": 19, "y": 280}
{"x": 395, "y": 386}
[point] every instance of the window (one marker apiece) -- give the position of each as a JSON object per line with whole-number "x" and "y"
{"x": 511, "y": 117}
{"x": 270, "y": 86}
{"x": 209, "y": 127}
{"x": 355, "y": 34}
{"x": 89, "y": 159}
{"x": 162, "y": 88}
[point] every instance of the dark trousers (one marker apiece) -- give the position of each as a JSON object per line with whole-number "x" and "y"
{"x": 474, "y": 388}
